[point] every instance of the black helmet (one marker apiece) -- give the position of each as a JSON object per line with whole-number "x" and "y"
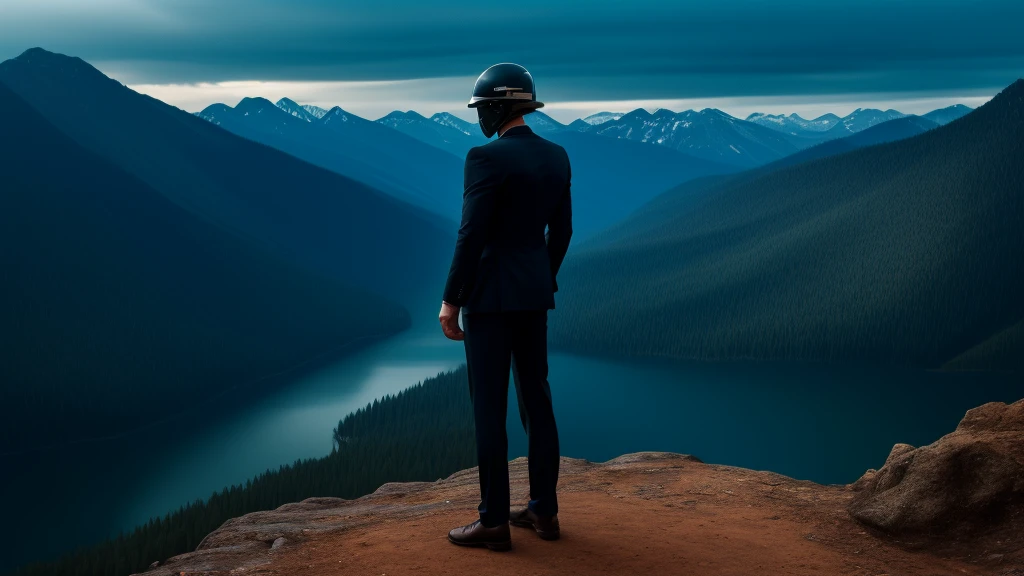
{"x": 503, "y": 92}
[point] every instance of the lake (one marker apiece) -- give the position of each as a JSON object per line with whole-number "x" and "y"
{"x": 824, "y": 423}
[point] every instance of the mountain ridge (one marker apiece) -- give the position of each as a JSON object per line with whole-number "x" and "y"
{"x": 241, "y": 185}
{"x": 350, "y": 146}
{"x": 709, "y": 134}
{"x": 890, "y": 213}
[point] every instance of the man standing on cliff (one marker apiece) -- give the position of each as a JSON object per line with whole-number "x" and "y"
{"x": 502, "y": 278}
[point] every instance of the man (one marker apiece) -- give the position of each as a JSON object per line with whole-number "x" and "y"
{"x": 502, "y": 278}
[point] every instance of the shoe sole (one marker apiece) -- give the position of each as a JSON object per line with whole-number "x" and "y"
{"x": 550, "y": 536}
{"x": 496, "y": 546}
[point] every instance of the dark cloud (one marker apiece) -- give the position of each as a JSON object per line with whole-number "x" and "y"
{"x": 578, "y": 50}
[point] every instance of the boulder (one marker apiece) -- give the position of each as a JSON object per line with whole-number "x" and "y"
{"x": 968, "y": 484}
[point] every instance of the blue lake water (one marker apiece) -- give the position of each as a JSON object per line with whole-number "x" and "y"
{"x": 819, "y": 422}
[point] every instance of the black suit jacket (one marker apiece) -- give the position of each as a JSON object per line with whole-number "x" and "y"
{"x": 515, "y": 187}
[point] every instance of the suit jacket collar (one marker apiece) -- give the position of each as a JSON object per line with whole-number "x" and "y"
{"x": 517, "y": 130}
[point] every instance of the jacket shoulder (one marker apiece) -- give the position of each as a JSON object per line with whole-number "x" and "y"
{"x": 482, "y": 151}
{"x": 553, "y": 146}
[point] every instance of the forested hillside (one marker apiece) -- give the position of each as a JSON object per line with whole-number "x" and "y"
{"x": 116, "y": 301}
{"x": 906, "y": 252}
{"x": 1002, "y": 352}
{"x": 421, "y": 434}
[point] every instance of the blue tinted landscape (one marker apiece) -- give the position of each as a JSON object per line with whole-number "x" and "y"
{"x": 219, "y": 295}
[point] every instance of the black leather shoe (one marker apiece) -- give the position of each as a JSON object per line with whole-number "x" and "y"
{"x": 479, "y": 536}
{"x": 545, "y": 526}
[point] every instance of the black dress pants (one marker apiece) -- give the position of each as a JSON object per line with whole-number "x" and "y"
{"x": 496, "y": 342}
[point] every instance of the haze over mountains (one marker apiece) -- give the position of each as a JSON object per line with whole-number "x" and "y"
{"x": 903, "y": 252}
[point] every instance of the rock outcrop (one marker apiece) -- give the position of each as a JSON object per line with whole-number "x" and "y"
{"x": 646, "y": 513}
{"x": 964, "y": 490}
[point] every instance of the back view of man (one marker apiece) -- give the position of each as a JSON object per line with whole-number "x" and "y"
{"x": 502, "y": 278}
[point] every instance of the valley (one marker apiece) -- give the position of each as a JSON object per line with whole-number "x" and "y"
{"x": 196, "y": 300}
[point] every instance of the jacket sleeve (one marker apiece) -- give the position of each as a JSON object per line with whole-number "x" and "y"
{"x": 560, "y": 229}
{"x": 481, "y": 182}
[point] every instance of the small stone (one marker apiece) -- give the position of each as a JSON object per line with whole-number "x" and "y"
{"x": 278, "y": 543}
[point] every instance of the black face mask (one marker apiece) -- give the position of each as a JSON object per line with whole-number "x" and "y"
{"x": 493, "y": 116}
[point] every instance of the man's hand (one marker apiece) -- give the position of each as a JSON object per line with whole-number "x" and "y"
{"x": 449, "y": 318}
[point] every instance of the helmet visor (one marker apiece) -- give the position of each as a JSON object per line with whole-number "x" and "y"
{"x": 478, "y": 100}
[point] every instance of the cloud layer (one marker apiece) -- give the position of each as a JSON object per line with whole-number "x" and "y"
{"x": 579, "y": 51}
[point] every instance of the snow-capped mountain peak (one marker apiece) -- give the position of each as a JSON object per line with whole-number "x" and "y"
{"x": 336, "y": 114}
{"x": 253, "y": 105}
{"x": 602, "y": 117}
{"x": 399, "y": 118}
{"x": 709, "y": 133}
{"x": 452, "y": 121}
{"x": 315, "y": 111}
{"x": 863, "y": 118}
{"x": 293, "y": 108}
{"x": 794, "y": 123}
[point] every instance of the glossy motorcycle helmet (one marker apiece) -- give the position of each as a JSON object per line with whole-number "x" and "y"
{"x": 501, "y": 93}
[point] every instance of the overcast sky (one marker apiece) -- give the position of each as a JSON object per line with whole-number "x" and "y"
{"x": 373, "y": 57}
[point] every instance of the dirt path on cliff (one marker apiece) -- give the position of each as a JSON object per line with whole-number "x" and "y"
{"x": 640, "y": 514}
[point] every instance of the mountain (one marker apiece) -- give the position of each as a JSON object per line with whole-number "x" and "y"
{"x": 697, "y": 188}
{"x": 830, "y": 126}
{"x": 610, "y": 177}
{"x": 948, "y": 114}
{"x": 905, "y": 252}
{"x": 888, "y": 131}
{"x": 578, "y": 125}
{"x": 1001, "y": 352}
{"x": 709, "y": 134}
{"x": 352, "y": 146}
{"x": 439, "y": 131}
{"x": 541, "y": 123}
{"x": 453, "y": 121}
{"x": 826, "y": 127}
{"x": 293, "y": 108}
{"x": 860, "y": 119}
{"x": 307, "y": 215}
{"x": 794, "y": 124}
{"x": 315, "y": 111}
{"x": 121, "y": 307}
{"x": 602, "y": 117}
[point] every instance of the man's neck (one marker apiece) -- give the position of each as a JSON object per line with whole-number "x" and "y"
{"x": 511, "y": 124}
